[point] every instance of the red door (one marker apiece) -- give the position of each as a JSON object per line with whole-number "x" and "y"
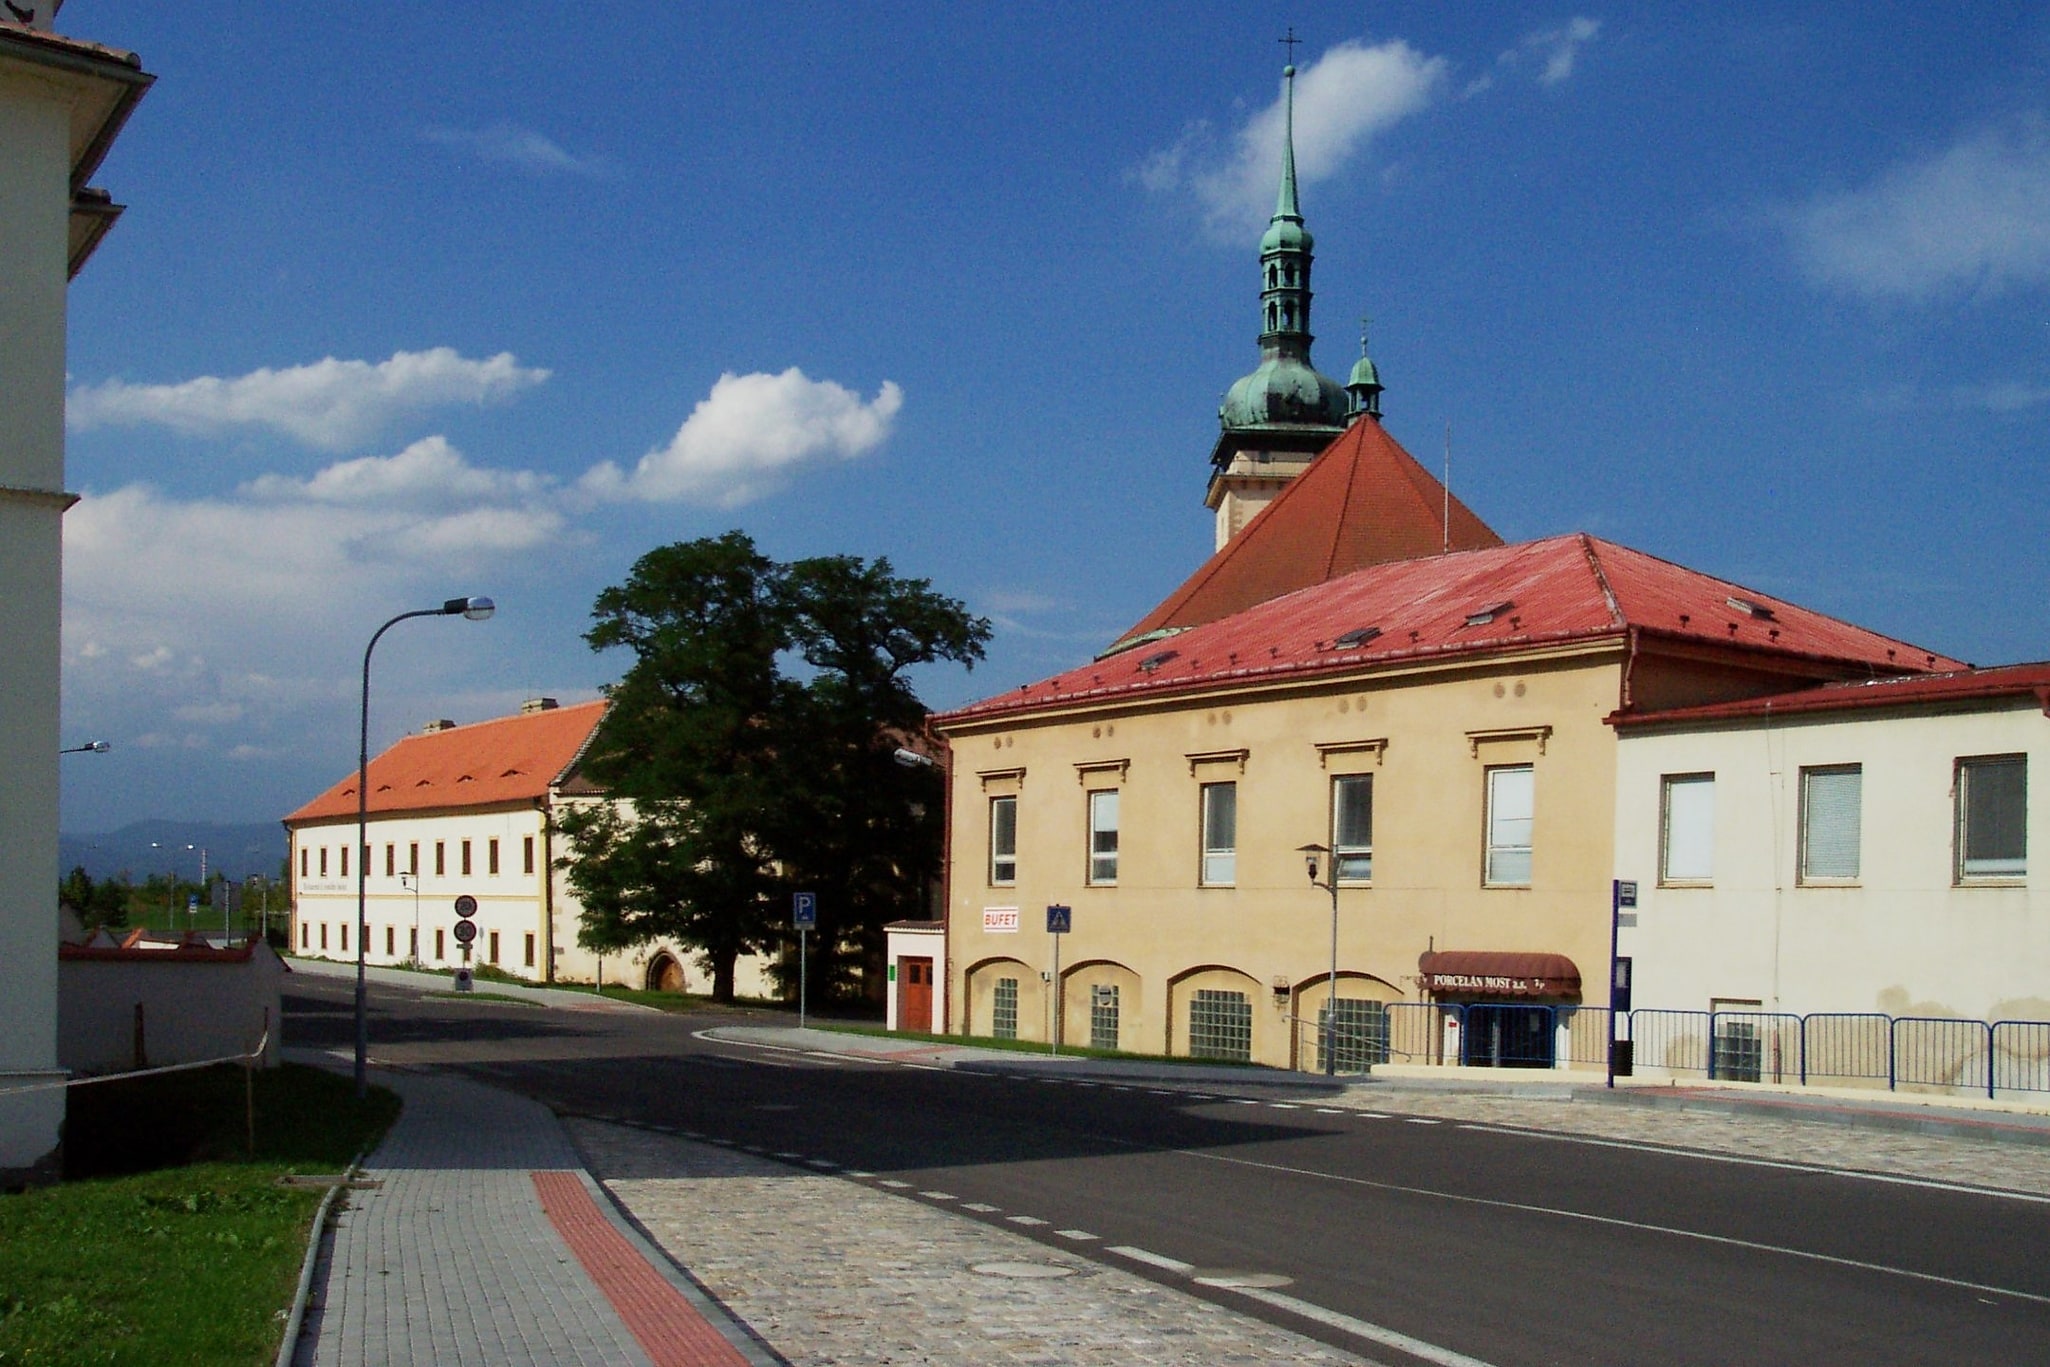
{"x": 914, "y": 995}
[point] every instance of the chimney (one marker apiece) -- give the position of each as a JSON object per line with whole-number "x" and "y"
{"x": 441, "y": 724}
{"x": 533, "y": 705}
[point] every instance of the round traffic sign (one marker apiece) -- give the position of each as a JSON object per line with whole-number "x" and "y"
{"x": 466, "y": 931}
{"x": 466, "y": 905}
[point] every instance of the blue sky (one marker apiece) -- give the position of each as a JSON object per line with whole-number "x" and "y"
{"x": 419, "y": 300}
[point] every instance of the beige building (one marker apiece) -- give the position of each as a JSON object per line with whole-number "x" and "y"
{"x": 1441, "y": 723}
{"x": 470, "y": 811}
{"x": 62, "y": 103}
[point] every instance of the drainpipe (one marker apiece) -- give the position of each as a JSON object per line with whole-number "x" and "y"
{"x": 547, "y": 871}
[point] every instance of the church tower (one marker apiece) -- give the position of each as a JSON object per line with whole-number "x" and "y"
{"x": 1277, "y": 418}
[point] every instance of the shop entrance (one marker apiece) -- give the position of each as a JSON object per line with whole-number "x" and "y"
{"x": 1507, "y": 1036}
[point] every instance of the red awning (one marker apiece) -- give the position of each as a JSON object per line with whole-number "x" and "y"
{"x": 1498, "y": 973}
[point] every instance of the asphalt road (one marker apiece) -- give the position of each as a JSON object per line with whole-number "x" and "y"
{"x": 1506, "y": 1247}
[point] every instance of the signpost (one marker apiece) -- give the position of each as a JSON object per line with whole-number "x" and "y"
{"x": 1622, "y": 894}
{"x": 804, "y": 914}
{"x": 466, "y": 931}
{"x": 1059, "y": 921}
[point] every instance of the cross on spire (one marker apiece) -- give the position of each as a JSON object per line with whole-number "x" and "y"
{"x": 1290, "y": 41}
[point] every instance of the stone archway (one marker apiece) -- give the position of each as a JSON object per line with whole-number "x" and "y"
{"x": 665, "y": 974}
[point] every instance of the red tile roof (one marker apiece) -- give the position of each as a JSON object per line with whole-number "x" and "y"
{"x": 509, "y": 759}
{"x": 1363, "y": 501}
{"x": 1996, "y": 683}
{"x": 1564, "y": 589}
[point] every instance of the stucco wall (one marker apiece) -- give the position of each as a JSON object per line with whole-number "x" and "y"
{"x": 191, "y": 1011}
{"x": 1906, "y": 938}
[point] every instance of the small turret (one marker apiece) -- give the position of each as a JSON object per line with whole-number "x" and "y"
{"x": 1364, "y": 387}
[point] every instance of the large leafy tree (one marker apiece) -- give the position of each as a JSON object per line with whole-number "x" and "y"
{"x": 745, "y": 777}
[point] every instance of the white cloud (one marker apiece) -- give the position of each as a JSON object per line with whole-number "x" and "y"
{"x": 2001, "y": 396}
{"x": 430, "y": 471}
{"x": 330, "y": 404}
{"x": 1555, "y": 49}
{"x": 1973, "y": 218}
{"x": 1342, "y": 101}
{"x": 750, "y": 437}
{"x": 511, "y": 145}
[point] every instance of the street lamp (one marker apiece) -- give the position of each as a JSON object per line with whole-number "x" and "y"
{"x": 1311, "y": 855}
{"x": 91, "y": 747}
{"x": 476, "y": 610}
{"x": 171, "y": 896}
{"x": 412, "y": 880}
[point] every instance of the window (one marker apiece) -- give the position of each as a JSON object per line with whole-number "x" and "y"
{"x": 345, "y": 937}
{"x": 1510, "y": 802}
{"x": 1687, "y": 816}
{"x": 440, "y": 945}
{"x": 1992, "y": 817}
{"x": 530, "y": 949}
{"x": 323, "y": 935}
{"x": 466, "y": 859}
{"x": 345, "y": 861}
{"x": 1103, "y": 836}
{"x": 494, "y": 946}
{"x": 1103, "y": 1016}
{"x": 391, "y": 860}
{"x": 413, "y": 944}
{"x": 413, "y": 859}
{"x": 390, "y": 941}
{"x": 1830, "y": 802}
{"x": 1220, "y": 833}
{"x": 323, "y": 861}
{"x": 440, "y": 859}
{"x": 491, "y": 857}
{"x": 1221, "y": 1025}
{"x": 1352, "y": 826}
{"x": 305, "y": 933}
{"x": 527, "y": 854}
{"x": 1003, "y": 841}
{"x": 304, "y": 854}
{"x": 1003, "y": 1009}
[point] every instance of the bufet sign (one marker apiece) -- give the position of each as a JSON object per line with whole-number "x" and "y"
{"x": 1000, "y": 920}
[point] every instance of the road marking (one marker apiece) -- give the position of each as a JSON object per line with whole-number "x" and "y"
{"x": 690, "y": 1134}
{"x": 1078, "y": 1235}
{"x": 1201, "y": 1096}
{"x": 939, "y": 1196}
{"x": 856, "y": 1173}
{"x": 1614, "y": 1222}
{"x": 789, "y": 1155}
{"x": 893, "y": 1182}
{"x": 1420, "y": 1120}
{"x": 924, "y": 1067}
{"x": 1159, "y": 1260}
{"x": 1024, "y": 1219}
{"x": 1373, "y": 1333}
{"x": 1242, "y": 1101}
{"x": 823, "y": 1164}
{"x": 1121, "y": 1089}
{"x": 753, "y": 1148}
{"x": 1080, "y": 1083}
{"x": 1160, "y": 1091}
{"x": 1329, "y": 1110}
{"x": 1372, "y": 1115}
{"x": 1284, "y": 1106}
{"x": 979, "y": 1208}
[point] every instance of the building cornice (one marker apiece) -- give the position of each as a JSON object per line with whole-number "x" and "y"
{"x": 39, "y": 498}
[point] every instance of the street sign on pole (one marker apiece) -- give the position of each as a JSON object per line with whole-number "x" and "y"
{"x": 804, "y": 914}
{"x": 465, "y": 932}
{"x": 466, "y": 906}
{"x": 1059, "y": 921}
{"x": 804, "y": 910}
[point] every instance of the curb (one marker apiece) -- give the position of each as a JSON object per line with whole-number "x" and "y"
{"x": 295, "y": 1322}
{"x": 1822, "y": 1113}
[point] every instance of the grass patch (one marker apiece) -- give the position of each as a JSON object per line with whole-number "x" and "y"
{"x": 167, "y": 1243}
{"x": 498, "y": 998}
{"x": 1023, "y": 1046}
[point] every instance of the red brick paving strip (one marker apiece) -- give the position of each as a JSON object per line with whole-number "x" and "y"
{"x": 668, "y": 1327}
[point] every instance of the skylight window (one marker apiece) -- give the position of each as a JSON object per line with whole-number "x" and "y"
{"x": 1156, "y": 660}
{"x": 1353, "y": 639}
{"x": 1751, "y": 609}
{"x": 1489, "y": 614}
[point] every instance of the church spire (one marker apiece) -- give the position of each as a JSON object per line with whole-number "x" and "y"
{"x": 1365, "y": 384}
{"x": 1286, "y": 253}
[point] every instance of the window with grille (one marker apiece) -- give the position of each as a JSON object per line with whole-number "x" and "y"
{"x": 1687, "y": 816}
{"x": 1739, "y": 1051}
{"x": 1221, "y": 1025}
{"x": 1358, "y": 1038}
{"x": 1220, "y": 833}
{"x": 1992, "y": 817}
{"x": 1352, "y": 826}
{"x": 1830, "y": 805}
{"x": 1103, "y": 836}
{"x": 1003, "y": 1012}
{"x": 1511, "y": 790}
{"x": 1003, "y": 840}
{"x": 1103, "y": 1016}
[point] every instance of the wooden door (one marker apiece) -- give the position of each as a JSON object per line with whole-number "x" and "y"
{"x": 914, "y": 995}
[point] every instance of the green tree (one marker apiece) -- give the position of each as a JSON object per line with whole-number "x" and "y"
{"x": 742, "y": 781}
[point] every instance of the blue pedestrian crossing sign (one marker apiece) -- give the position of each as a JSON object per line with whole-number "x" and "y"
{"x": 804, "y": 910}
{"x": 1059, "y": 920}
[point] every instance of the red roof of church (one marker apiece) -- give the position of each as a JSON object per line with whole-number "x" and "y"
{"x": 1993, "y": 684}
{"x": 1563, "y": 589}
{"x": 1363, "y": 501}
{"x": 508, "y": 759}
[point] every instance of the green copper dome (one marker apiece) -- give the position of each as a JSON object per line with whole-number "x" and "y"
{"x": 1284, "y": 390}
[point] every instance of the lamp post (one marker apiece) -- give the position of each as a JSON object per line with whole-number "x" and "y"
{"x": 1311, "y": 855}
{"x": 91, "y": 747}
{"x": 412, "y": 881}
{"x": 475, "y": 610}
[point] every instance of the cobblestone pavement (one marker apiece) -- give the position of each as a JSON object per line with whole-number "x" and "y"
{"x": 830, "y": 1272}
{"x": 1792, "y": 1138}
{"x": 450, "y": 1260}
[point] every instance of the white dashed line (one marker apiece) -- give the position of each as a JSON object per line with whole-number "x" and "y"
{"x": 1420, "y": 1120}
{"x": 1025, "y": 1220}
{"x": 822, "y": 1164}
{"x": 1283, "y": 1106}
{"x": 1159, "y": 1260}
{"x": 1160, "y": 1091}
{"x": 789, "y": 1155}
{"x": 1329, "y": 1110}
{"x": 857, "y": 1174}
{"x": 979, "y": 1208}
{"x": 923, "y": 1067}
{"x": 1372, "y": 1115}
{"x": 895, "y": 1184}
{"x": 1373, "y": 1333}
{"x": 939, "y": 1196}
{"x": 1078, "y": 1235}
{"x": 692, "y": 1134}
{"x": 1242, "y": 1101}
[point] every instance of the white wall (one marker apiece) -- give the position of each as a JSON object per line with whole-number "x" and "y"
{"x": 917, "y": 944}
{"x": 191, "y": 1011}
{"x": 1906, "y": 939}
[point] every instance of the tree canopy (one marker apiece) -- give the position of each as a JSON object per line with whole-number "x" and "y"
{"x": 748, "y": 754}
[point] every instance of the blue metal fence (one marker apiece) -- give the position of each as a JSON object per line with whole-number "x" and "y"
{"x": 1845, "y": 1044}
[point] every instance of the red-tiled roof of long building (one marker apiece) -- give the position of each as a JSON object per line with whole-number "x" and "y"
{"x": 1363, "y": 501}
{"x": 1559, "y": 590}
{"x": 507, "y": 759}
{"x": 1996, "y": 683}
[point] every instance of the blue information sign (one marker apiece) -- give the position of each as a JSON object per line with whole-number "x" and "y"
{"x": 1059, "y": 920}
{"x": 804, "y": 910}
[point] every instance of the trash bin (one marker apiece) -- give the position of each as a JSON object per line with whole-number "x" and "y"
{"x": 1620, "y": 1058}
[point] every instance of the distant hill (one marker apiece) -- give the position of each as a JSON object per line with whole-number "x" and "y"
{"x": 235, "y": 850}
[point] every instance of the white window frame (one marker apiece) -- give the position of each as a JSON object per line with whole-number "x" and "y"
{"x": 1220, "y": 848}
{"x": 1351, "y": 861}
{"x": 1003, "y": 862}
{"x": 1999, "y": 870}
{"x": 1502, "y": 822}
{"x": 1103, "y": 821}
{"x": 1811, "y": 776}
{"x": 1688, "y": 787}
